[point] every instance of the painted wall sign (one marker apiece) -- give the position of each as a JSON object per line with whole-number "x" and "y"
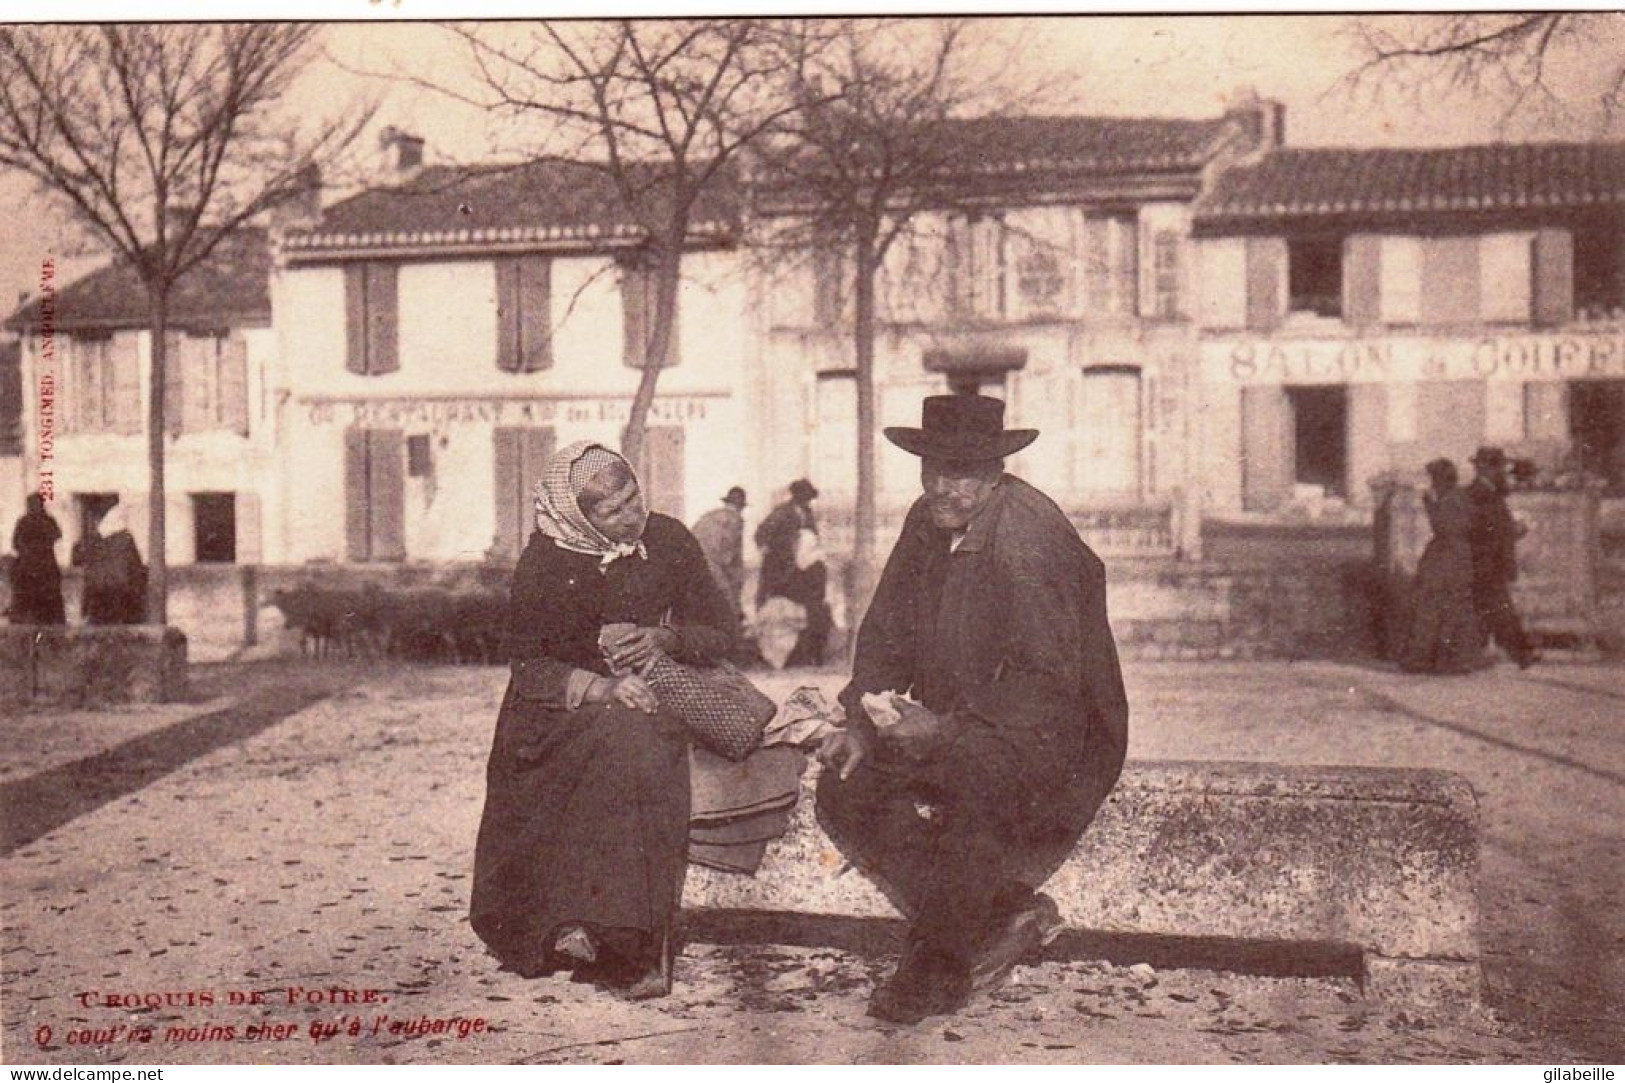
{"x": 1578, "y": 355}
{"x": 438, "y": 413}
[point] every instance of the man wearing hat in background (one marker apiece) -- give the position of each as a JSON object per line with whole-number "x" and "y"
{"x": 721, "y": 534}
{"x": 793, "y": 568}
{"x": 991, "y": 614}
{"x": 1493, "y": 535}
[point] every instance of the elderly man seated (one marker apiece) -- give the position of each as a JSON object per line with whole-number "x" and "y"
{"x": 990, "y": 617}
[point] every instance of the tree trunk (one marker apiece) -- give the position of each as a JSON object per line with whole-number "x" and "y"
{"x": 666, "y": 267}
{"x": 157, "y": 565}
{"x": 865, "y": 262}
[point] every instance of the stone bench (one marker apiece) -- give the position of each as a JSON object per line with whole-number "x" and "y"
{"x": 84, "y": 665}
{"x": 1374, "y": 865}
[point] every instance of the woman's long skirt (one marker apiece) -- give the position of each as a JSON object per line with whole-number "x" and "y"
{"x": 585, "y": 823}
{"x": 1444, "y": 635}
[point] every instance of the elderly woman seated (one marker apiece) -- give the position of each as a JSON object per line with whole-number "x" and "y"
{"x": 580, "y": 855}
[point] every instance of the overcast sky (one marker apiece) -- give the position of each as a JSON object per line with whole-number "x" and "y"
{"x": 1130, "y": 66}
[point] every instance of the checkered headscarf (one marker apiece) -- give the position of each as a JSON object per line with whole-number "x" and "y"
{"x": 558, "y": 513}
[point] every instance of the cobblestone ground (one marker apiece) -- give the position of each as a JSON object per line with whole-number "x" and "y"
{"x": 302, "y": 835}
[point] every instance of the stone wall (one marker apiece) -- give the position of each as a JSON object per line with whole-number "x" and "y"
{"x": 91, "y": 666}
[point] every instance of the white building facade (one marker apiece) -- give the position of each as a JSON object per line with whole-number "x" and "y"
{"x": 441, "y": 337}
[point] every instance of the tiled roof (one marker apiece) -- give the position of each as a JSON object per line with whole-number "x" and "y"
{"x": 231, "y": 287}
{"x": 1498, "y": 177}
{"x": 545, "y": 203}
{"x": 998, "y": 145}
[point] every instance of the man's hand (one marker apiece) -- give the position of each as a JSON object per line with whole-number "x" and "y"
{"x": 633, "y": 650}
{"x": 916, "y": 728}
{"x": 843, "y": 751}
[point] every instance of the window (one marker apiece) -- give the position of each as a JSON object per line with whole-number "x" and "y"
{"x": 90, "y": 507}
{"x": 419, "y": 461}
{"x": 832, "y": 286}
{"x": 1320, "y": 437}
{"x": 1110, "y": 266}
{"x": 1165, "y": 247}
{"x": 206, "y": 383}
{"x": 371, "y": 305}
{"x": 374, "y": 494}
{"x": 105, "y": 395}
{"x": 214, "y": 527}
{"x": 524, "y": 314}
{"x": 1597, "y": 428}
{"x": 1109, "y": 432}
{"x": 1599, "y": 270}
{"x": 977, "y": 256}
{"x": 637, "y": 316}
{"x": 519, "y": 455}
{"x": 1315, "y": 276}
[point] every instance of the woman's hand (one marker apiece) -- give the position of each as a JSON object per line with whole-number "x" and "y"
{"x": 629, "y": 691}
{"x": 634, "y": 649}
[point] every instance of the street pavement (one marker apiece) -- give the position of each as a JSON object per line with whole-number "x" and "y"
{"x": 279, "y": 872}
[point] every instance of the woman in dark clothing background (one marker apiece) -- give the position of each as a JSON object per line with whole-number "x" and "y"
{"x": 36, "y": 580}
{"x": 1444, "y": 635}
{"x": 115, "y": 575}
{"x": 582, "y": 846}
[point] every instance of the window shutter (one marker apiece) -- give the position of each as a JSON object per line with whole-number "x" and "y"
{"x": 200, "y": 377}
{"x": 1223, "y": 290}
{"x": 355, "y": 318}
{"x": 1266, "y": 450}
{"x": 828, "y": 282}
{"x": 505, "y": 452}
{"x": 233, "y": 383}
{"x": 125, "y": 378}
{"x": 1368, "y": 451}
{"x": 1450, "y": 276}
{"x": 1554, "y": 277}
{"x": 536, "y": 448}
{"x": 634, "y": 314}
{"x": 11, "y": 406}
{"x": 508, "y": 314}
{"x": 356, "y": 504}
{"x": 662, "y": 474}
{"x": 535, "y": 314}
{"x": 1400, "y": 287}
{"x": 1362, "y": 280}
{"x": 249, "y": 544}
{"x": 1506, "y": 277}
{"x": 1266, "y": 275}
{"x": 386, "y": 485}
{"x": 383, "y": 354}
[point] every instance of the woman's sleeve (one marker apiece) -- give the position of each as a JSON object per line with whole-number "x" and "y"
{"x": 701, "y": 615}
{"x": 529, "y": 636}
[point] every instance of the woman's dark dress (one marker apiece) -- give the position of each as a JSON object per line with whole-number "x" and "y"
{"x": 36, "y": 580}
{"x": 115, "y": 582}
{"x": 1444, "y": 633}
{"x": 586, "y": 811}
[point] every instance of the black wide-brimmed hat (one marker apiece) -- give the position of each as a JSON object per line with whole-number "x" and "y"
{"x": 801, "y": 489}
{"x": 736, "y": 497}
{"x": 1491, "y": 457}
{"x": 961, "y": 429}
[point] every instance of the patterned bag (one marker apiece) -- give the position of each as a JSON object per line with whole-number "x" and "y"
{"x": 724, "y": 711}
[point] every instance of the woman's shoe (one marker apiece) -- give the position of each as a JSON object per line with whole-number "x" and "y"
{"x": 575, "y": 944}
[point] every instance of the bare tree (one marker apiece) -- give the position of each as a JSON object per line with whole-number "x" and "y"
{"x": 662, "y": 107}
{"x": 161, "y": 141}
{"x": 1540, "y": 63}
{"x": 870, "y": 149}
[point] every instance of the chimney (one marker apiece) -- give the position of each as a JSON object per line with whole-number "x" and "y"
{"x": 408, "y": 148}
{"x": 1262, "y": 119}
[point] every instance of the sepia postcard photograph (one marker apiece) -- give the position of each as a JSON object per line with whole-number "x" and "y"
{"x": 935, "y": 538}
